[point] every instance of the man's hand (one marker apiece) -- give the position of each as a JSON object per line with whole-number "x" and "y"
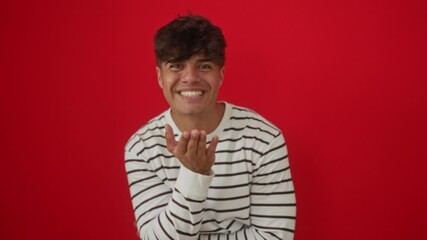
{"x": 191, "y": 149}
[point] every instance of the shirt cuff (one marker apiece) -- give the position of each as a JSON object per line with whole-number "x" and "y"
{"x": 192, "y": 184}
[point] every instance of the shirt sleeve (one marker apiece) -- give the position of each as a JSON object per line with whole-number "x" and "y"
{"x": 162, "y": 212}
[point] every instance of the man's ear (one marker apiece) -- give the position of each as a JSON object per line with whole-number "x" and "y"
{"x": 221, "y": 75}
{"x": 159, "y": 77}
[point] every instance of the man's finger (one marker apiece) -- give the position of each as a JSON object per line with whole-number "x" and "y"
{"x": 201, "y": 148}
{"x": 210, "y": 152}
{"x": 181, "y": 147}
{"x": 170, "y": 138}
{"x": 194, "y": 141}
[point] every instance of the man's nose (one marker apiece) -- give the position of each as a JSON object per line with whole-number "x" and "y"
{"x": 190, "y": 74}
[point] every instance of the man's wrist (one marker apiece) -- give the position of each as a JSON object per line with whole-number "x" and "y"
{"x": 192, "y": 184}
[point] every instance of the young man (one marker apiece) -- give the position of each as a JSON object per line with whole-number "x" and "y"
{"x": 205, "y": 169}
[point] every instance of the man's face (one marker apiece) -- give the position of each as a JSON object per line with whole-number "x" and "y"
{"x": 190, "y": 86}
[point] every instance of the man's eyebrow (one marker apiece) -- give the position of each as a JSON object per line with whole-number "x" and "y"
{"x": 172, "y": 61}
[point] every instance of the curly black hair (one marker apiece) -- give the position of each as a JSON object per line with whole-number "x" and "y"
{"x": 187, "y": 36}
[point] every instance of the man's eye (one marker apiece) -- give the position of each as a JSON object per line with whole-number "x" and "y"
{"x": 206, "y": 66}
{"x": 175, "y": 66}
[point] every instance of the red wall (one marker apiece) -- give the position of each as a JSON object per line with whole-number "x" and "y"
{"x": 344, "y": 80}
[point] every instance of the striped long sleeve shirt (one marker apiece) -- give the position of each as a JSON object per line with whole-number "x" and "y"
{"x": 250, "y": 194}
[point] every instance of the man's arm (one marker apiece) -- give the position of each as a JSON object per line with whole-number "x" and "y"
{"x": 161, "y": 212}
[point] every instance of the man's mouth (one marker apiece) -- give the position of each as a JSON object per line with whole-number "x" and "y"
{"x": 191, "y": 93}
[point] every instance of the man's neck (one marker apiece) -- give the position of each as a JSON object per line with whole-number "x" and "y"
{"x": 207, "y": 122}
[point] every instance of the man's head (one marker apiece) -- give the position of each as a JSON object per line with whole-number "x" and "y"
{"x": 190, "y": 53}
{"x": 188, "y": 36}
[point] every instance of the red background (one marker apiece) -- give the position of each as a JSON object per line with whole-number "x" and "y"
{"x": 344, "y": 80}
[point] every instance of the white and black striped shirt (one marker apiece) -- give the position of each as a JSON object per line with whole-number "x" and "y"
{"x": 249, "y": 196}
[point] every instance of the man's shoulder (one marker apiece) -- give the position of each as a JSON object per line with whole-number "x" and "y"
{"x": 152, "y": 128}
{"x": 249, "y": 118}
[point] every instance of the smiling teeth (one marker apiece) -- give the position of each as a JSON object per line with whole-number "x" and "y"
{"x": 191, "y": 93}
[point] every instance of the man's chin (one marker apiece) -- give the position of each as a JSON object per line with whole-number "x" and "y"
{"x": 190, "y": 111}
